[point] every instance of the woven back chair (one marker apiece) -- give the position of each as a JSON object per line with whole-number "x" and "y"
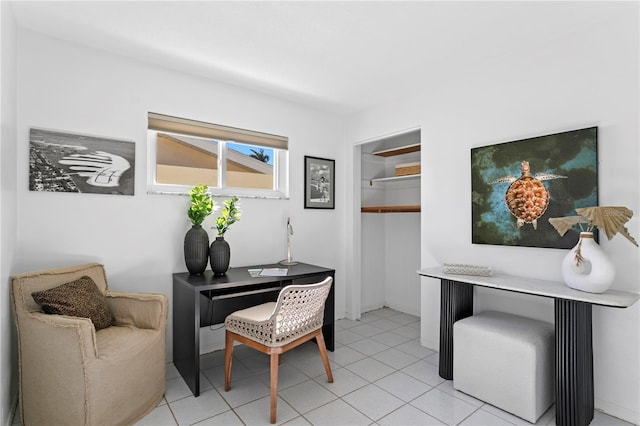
{"x": 274, "y": 328}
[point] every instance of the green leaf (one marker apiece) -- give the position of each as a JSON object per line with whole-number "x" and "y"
{"x": 201, "y": 204}
{"x": 228, "y": 216}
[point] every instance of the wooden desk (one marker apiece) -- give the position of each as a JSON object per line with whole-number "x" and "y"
{"x": 201, "y": 300}
{"x": 572, "y": 315}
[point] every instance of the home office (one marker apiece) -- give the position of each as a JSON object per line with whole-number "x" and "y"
{"x": 466, "y": 76}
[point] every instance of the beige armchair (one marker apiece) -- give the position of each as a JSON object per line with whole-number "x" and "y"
{"x": 71, "y": 374}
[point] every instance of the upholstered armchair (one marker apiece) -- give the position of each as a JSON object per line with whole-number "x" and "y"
{"x": 71, "y": 374}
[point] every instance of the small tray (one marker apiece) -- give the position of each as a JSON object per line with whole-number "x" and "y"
{"x": 463, "y": 269}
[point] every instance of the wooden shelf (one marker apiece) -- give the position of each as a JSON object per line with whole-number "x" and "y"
{"x": 394, "y": 178}
{"x": 390, "y": 209}
{"x": 398, "y": 151}
{"x": 393, "y": 209}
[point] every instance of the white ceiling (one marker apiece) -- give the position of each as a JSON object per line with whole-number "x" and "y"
{"x": 339, "y": 56}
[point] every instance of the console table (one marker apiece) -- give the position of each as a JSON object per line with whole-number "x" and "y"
{"x": 205, "y": 299}
{"x": 572, "y": 315}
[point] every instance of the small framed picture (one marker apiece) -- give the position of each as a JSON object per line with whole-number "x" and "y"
{"x": 319, "y": 183}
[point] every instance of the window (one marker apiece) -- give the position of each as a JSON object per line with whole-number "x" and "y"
{"x": 184, "y": 153}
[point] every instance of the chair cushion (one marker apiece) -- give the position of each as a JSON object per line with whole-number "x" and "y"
{"x": 79, "y": 298}
{"x": 123, "y": 342}
{"x": 256, "y": 313}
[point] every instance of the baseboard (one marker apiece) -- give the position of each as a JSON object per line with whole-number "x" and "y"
{"x": 429, "y": 344}
{"x": 615, "y": 410}
{"x": 405, "y": 309}
{"x": 211, "y": 338}
{"x": 350, "y": 316}
{"x": 371, "y": 308}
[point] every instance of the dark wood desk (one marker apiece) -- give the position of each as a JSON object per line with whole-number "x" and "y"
{"x": 572, "y": 317}
{"x": 202, "y": 300}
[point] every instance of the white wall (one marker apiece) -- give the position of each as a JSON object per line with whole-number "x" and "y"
{"x": 8, "y": 211}
{"x": 586, "y": 78}
{"x": 373, "y": 294}
{"x": 402, "y": 254}
{"x": 402, "y": 235}
{"x": 140, "y": 238}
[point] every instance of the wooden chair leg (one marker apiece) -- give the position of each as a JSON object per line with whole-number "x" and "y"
{"x": 228, "y": 358}
{"x": 323, "y": 355}
{"x": 275, "y": 361}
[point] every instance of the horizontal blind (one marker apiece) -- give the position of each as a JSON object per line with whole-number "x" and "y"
{"x": 167, "y": 123}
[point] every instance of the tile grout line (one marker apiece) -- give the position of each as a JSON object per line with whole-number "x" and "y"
{"x": 410, "y": 351}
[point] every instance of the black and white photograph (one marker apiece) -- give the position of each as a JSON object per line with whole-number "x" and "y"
{"x": 66, "y": 162}
{"x": 319, "y": 183}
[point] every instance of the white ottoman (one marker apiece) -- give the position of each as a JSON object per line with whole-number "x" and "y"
{"x": 507, "y": 361}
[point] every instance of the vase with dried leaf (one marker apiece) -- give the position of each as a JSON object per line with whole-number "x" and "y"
{"x": 586, "y": 267}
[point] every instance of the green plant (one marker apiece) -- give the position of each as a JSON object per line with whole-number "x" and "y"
{"x": 201, "y": 204}
{"x": 228, "y": 216}
{"x": 259, "y": 155}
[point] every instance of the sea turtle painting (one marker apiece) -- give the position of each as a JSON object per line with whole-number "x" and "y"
{"x": 527, "y": 198}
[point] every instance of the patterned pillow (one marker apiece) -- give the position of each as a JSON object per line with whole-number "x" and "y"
{"x": 79, "y": 298}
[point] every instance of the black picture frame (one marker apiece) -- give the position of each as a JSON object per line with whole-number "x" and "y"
{"x": 319, "y": 183}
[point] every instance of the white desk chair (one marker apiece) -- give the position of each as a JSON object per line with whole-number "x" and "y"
{"x": 274, "y": 328}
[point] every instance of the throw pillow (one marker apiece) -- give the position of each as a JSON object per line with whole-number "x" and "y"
{"x": 79, "y": 298}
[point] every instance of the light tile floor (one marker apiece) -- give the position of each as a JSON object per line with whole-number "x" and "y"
{"x": 382, "y": 376}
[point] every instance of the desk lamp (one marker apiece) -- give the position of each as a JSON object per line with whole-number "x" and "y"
{"x": 288, "y": 261}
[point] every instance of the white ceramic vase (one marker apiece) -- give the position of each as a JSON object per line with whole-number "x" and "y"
{"x": 595, "y": 273}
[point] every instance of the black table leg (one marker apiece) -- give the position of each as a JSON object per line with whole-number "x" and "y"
{"x": 328, "y": 326}
{"x": 186, "y": 334}
{"x": 456, "y": 302}
{"x": 574, "y": 363}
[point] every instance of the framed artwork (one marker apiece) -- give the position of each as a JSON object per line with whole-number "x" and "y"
{"x": 319, "y": 183}
{"x": 66, "y": 162}
{"x": 517, "y": 186}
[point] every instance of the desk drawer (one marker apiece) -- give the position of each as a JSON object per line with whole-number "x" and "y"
{"x": 215, "y": 306}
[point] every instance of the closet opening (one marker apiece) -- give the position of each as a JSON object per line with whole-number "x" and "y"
{"x": 389, "y": 222}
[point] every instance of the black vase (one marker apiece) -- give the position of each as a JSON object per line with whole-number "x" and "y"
{"x": 219, "y": 256}
{"x": 196, "y": 249}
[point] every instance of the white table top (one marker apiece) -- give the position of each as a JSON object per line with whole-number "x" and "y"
{"x": 555, "y": 289}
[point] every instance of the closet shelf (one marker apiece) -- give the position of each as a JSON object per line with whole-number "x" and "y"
{"x": 398, "y": 151}
{"x": 393, "y": 178}
{"x": 390, "y": 209}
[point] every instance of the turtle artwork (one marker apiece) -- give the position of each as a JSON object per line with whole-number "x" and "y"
{"x": 527, "y": 198}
